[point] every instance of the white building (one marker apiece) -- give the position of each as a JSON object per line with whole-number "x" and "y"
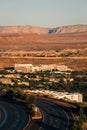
{"x": 33, "y": 68}
{"x": 73, "y": 97}
{"x": 62, "y": 68}
{"x": 23, "y": 67}
{"x": 69, "y": 96}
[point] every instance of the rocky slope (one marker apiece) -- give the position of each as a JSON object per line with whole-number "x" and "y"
{"x": 69, "y": 29}
{"x": 22, "y": 29}
{"x": 42, "y": 42}
{"x": 37, "y": 38}
{"x": 58, "y": 40}
{"x": 39, "y": 30}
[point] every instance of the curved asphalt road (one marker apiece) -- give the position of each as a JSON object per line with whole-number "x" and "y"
{"x": 54, "y": 116}
{"x": 12, "y": 116}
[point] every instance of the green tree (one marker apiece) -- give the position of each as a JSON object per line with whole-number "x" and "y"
{"x": 77, "y": 127}
{"x": 10, "y": 94}
{"x": 30, "y": 100}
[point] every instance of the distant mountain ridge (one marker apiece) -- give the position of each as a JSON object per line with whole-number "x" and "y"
{"x": 23, "y": 29}
{"x": 70, "y": 29}
{"x": 40, "y": 30}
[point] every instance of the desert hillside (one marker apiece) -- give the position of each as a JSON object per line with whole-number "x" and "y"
{"x": 37, "y": 38}
{"x": 40, "y": 30}
{"x": 43, "y": 42}
{"x": 23, "y": 29}
{"x": 69, "y": 29}
{"x": 29, "y": 44}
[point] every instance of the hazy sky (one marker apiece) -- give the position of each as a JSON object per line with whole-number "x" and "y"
{"x": 46, "y": 13}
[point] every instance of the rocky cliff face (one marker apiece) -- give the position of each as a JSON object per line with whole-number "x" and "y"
{"x": 29, "y": 38}
{"x": 22, "y": 29}
{"x": 39, "y": 30}
{"x": 72, "y": 29}
{"x": 69, "y": 29}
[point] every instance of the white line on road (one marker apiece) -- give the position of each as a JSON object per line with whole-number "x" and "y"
{"x": 5, "y": 118}
{"x": 67, "y": 118}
